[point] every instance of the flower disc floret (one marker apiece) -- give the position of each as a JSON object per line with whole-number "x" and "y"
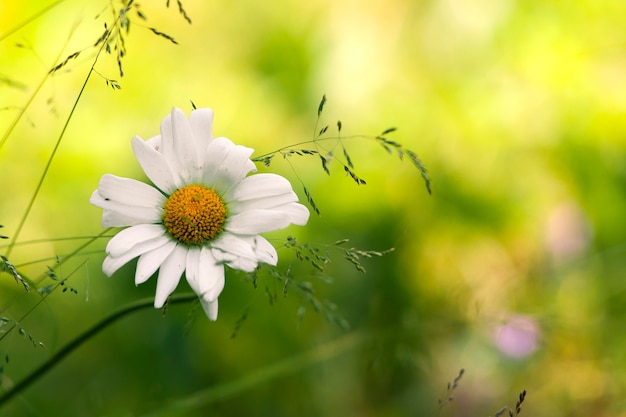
{"x": 194, "y": 215}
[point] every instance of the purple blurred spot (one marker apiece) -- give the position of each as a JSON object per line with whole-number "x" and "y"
{"x": 518, "y": 337}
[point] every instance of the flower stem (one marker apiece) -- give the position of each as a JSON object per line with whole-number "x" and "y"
{"x": 85, "y": 336}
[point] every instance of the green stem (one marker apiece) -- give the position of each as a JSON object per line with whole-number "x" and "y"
{"x": 308, "y": 142}
{"x": 82, "y": 338}
{"x": 25, "y": 107}
{"x": 54, "y": 151}
{"x": 43, "y": 276}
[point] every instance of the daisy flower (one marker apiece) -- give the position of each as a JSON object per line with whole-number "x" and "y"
{"x": 202, "y": 213}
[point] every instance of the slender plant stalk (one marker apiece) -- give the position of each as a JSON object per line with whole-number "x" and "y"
{"x": 54, "y": 150}
{"x": 36, "y": 283}
{"x": 82, "y": 338}
{"x": 55, "y": 239}
{"x": 22, "y": 110}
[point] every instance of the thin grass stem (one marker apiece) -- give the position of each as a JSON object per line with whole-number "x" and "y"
{"x": 23, "y": 109}
{"x": 54, "y": 151}
{"x": 84, "y": 337}
{"x": 43, "y": 276}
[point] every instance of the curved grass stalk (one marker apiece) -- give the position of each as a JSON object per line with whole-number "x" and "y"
{"x": 84, "y": 337}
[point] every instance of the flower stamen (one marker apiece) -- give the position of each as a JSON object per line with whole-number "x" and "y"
{"x": 194, "y": 215}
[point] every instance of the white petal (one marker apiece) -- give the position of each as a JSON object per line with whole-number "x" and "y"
{"x": 149, "y": 262}
{"x": 134, "y": 201}
{"x": 236, "y": 262}
{"x": 129, "y": 191}
{"x": 255, "y": 221}
{"x": 297, "y": 213}
{"x": 236, "y": 252}
{"x": 110, "y": 264}
{"x": 234, "y": 168}
{"x": 154, "y": 142}
{"x": 226, "y": 164}
{"x": 215, "y": 153}
{"x": 207, "y": 277}
{"x": 193, "y": 266}
{"x": 113, "y": 263}
{"x": 259, "y": 186}
{"x": 236, "y": 245}
{"x": 264, "y": 250}
{"x": 125, "y": 240}
{"x": 180, "y": 148}
{"x": 142, "y": 214}
{"x": 169, "y": 274}
{"x": 185, "y": 142}
{"x": 201, "y": 122}
{"x": 211, "y": 275}
{"x": 236, "y": 258}
{"x": 154, "y": 165}
{"x": 210, "y": 308}
{"x": 112, "y": 218}
{"x": 235, "y": 207}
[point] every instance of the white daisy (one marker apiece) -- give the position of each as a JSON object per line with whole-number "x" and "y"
{"x": 202, "y": 213}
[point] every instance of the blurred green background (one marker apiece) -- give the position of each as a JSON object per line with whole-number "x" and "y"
{"x": 513, "y": 269}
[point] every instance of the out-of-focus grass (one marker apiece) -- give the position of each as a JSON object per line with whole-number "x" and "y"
{"x": 517, "y": 109}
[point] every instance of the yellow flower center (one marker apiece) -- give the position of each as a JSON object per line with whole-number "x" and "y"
{"x": 194, "y": 215}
